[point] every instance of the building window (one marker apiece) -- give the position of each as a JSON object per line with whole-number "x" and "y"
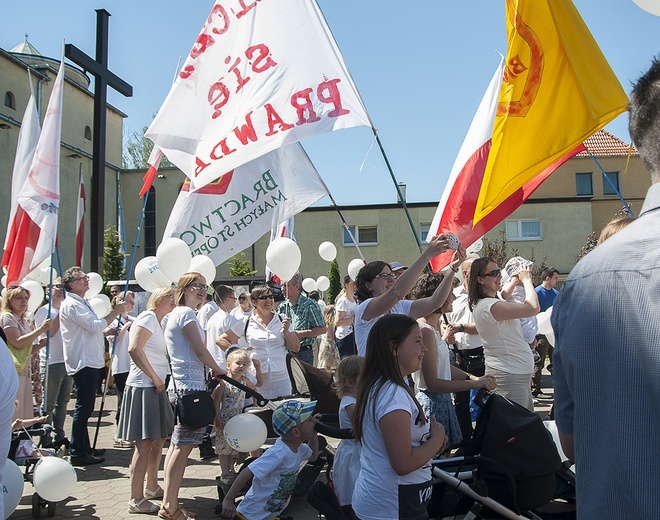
{"x": 607, "y": 187}
{"x": 150, "y": 224}
{"x": 88, "y": 133}
{"x": 523, "y": 229}
{"x": 424, "y": 232}
{"x": 584, "y": 186}
{"x": 365, "y": 235}
{"x": 10, "y": 100}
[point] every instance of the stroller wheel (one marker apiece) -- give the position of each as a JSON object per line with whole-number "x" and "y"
{"x": 52, "y": 508}
{"x": 36, "y": 505}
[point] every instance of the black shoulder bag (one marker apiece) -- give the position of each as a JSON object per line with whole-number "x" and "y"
{"x": 194, "y": 409}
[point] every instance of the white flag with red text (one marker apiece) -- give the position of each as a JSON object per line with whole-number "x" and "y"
{"x": 455, "y": 213}
{"x": 226, "y": 216}
{"x": 28, "y": 137}
{"x": 39, "y": 198}
{"x": 260, "y": 75}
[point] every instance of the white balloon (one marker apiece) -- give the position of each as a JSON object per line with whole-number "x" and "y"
{"x": 245, "y": 432}
{"x": 4, "y": 291}
{"x": 327, "y": 251}
{"x": 309, "y": 284}
{"x": 543, "y": 320}
{"x": 45, "y": 275}
{"x": 36, "y": 294}
{"x": 476, "y": 246}
{"x": 3, "y": 281}
{"x": 354, "y": 267}
{"x": 54, "y": 479}
{"x": 174, "y": 257}
{"x": 203, "y": 265}
{"x": 95, "y": 285}
{"x": 149, "y": 276}
{"x": 283, "y": 258}
{"x": 12, "y": 486}
{"x": 322, "y": 283}
{"x": 650, "y": 6}
{"x": 100, "y": 305}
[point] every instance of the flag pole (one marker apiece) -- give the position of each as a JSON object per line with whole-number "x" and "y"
{"x": 625, "y": 204}
{"x": 114, "y": 341}
{"x": 343, "y": 220}
{"x": 398, "y": 191}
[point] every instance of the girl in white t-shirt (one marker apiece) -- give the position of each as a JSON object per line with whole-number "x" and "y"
{"x": 397, "y": 441}
{"x": 346, "y": 466}
{"x": 508, "y": 356}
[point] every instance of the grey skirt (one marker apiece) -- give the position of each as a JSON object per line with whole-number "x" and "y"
{"x": 145, "y": 415}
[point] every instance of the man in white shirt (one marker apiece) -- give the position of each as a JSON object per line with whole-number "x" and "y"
{"x": 209, "y": 308}
{"x": 220, "y": 323}
{"x": 84, "y": 356}
{"x": 470, "y": 347}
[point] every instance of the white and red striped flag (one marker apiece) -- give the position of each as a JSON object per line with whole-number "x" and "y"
{"x": 80, "y": 222}
{"x": 39, "y": 198}
{"x": 28, "y": 137}
{"x": 455, "y": 213}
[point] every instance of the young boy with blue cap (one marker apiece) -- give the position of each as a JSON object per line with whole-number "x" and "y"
{"x": 274, "y": 474}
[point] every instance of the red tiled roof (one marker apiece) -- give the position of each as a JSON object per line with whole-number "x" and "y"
{"x": 604, "y": 144}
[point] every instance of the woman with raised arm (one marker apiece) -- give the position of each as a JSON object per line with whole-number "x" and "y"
{"x": 508, "y": 356}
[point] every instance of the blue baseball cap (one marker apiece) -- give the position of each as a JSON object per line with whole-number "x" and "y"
{"x": 291, "y": 413}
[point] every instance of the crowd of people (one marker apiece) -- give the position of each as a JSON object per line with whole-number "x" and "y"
{"x": 405, "y": 347}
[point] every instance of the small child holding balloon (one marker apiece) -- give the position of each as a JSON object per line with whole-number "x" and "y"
{"x": 230, "y": 401}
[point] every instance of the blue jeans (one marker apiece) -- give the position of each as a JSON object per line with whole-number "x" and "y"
{"x": 85, "y": 381}
{"x": 58, "y": 391}
{"x": 306, "y": 355}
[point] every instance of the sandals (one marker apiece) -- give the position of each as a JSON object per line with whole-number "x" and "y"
{"x": 153, "y": 494}
{"x": 179, "y": 514}
{"x": 142, "y": 506}
{"x": 119, "y": 443}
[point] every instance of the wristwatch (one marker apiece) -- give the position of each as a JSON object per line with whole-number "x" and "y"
{"x": 461, "y": 328}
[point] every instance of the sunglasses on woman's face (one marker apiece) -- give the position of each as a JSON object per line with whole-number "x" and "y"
{"x": 199, "y": 286}
{"x": 386, "y": 276}
{"x": 494, "y": 273}
{"x": 266, "y": 297}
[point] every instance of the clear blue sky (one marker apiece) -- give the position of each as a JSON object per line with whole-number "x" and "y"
{"x": 421, "y": 66}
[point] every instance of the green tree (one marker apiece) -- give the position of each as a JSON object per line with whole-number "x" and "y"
{"x": 240, "y": 266}
{"x": 113, "y": 257}
{"x": 137, "y": 150}
{"x": 335, "y": 283}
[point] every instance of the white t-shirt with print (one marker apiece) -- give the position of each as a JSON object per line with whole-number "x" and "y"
{"x": 275, "y": 474}
{"x": 379, "y": 491}
{"x": 505, "y": 347}
{"x": 348, "y": 307}
{"x": 362, "y": 327}
{"x": 154, "y": 348}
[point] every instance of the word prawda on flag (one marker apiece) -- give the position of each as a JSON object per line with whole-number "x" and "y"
{"x": 259, "y": 76}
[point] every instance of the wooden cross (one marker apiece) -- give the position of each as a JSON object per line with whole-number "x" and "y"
{"x": 103, "y": 78}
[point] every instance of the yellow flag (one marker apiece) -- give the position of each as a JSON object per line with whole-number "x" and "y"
{"x": 557, "y": 90}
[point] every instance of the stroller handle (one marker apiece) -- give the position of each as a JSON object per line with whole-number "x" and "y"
{"x": 258, "y": 398}
{"x": 324, "y": 428}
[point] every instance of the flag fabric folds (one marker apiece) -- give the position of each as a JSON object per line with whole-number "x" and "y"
{"x": 80, "y": 221}
{"x": 226, "y": 216}
{"x": 39, "y": 198}
{"x": 557, "y": 90}
{"x": 259, "y": 76}
{"x": 28, "y": 136}
{"x": 456, "y": 209}
{"x": 154, "y": 162}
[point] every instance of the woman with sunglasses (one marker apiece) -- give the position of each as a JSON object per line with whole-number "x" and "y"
{"x": 268, "y": 336}
{"x": 380, "y": 292}
{"x": 508, "y": 356}
{"x": 186, "y": 347}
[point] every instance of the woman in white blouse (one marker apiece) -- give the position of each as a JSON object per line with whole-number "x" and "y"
{"x": 146, "y": 416}
{"x": 269, "y": 336}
